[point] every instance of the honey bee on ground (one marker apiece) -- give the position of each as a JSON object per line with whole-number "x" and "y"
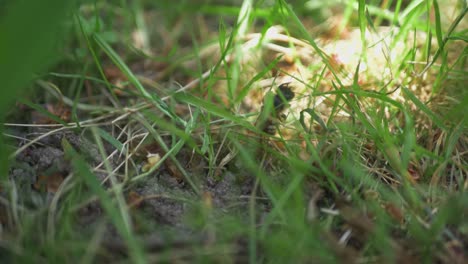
{"x": 272, "y": 109}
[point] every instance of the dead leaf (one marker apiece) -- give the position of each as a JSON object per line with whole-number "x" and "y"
{"x": 395, "y": 212}
{"x": 312, "y": 208}
{"x": 115, "y": 76}
{"x": 174, "y": 171}
{"x": 219, "y": 169}
{"x": 361, "y": 223}
{"x": 207, "y": 199}
{"x": 151, "y": 161}
{"x": 59, "y": 110}
{"x": 134, "y": 199}
{"x": 414, "y": 173}
{"x": 49, "y": 183}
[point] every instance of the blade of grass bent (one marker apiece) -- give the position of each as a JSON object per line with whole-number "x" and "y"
{"x": 447, "y": 37}
{"x": 362, "y": 26}
{"x": 423, "y": 108}
{"x": 153, "y": 98}
{"x": 214, "y": 109}
{"x": 170, "y": 153}
{"x": 86, "y": 33}
{"x": 438, "y": 23}
{"x": 311, "y": 41}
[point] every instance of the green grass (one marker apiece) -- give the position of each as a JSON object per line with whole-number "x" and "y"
{"x": 374, "y": 171}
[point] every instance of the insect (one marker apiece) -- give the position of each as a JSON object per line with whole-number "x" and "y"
{"x": 272, "y": 109}
{"x": 282, "y": 97}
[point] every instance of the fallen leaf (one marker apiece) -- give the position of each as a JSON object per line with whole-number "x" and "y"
{"x": 59, "y": 110}
{"x": 151, "y": 161}
{"x": 174, "y": 171}
{"x": 49, "y": 183}
{"x": 134, "y": 199}
{"x": 115, "y": 76}
{"x": 207, "y": 199}
{"x": 395, "y": 212}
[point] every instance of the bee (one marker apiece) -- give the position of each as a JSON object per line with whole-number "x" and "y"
{"x": 282, "y": 97}
{"x": 272, "y": 109}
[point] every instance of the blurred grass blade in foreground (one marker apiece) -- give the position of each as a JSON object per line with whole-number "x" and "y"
{"x": 28, "y": 44}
